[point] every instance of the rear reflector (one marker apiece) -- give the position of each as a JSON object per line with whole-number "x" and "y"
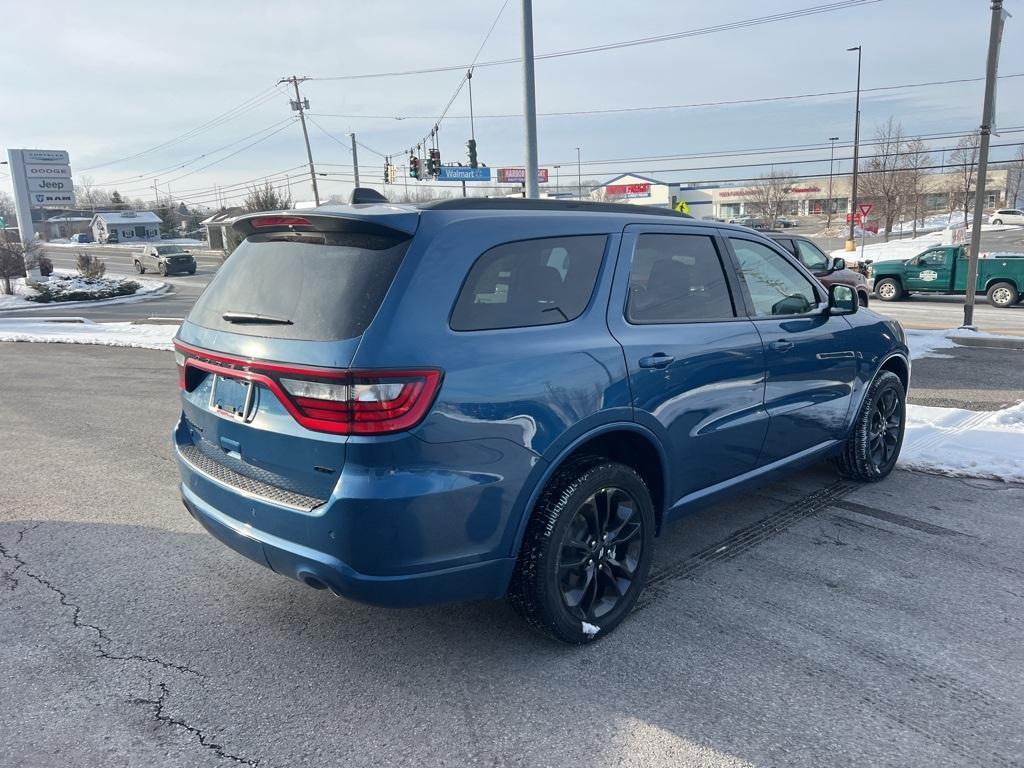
{"x": 268, "y": 222}
{"x": 341, "y": 402}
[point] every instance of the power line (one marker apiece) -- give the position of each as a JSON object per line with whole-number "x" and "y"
{"x": 693, "y": 105}
{"x": 251, "y": 103}
{"x": 178, "y": 166}
{"x": 785, "y": 16}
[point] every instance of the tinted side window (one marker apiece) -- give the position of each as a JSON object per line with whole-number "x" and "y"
{"x": 677, "y": 279}
{"x": 786, "y": 243}
{"x": 530, "y": 282}
{"x": 813, "y": 259}
{"x": 933, "y": 258}
{"x": 776, "y": 286}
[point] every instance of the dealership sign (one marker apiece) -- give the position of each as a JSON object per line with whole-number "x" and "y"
{"x": 49, "y": 185}
{"x": 44, "y": 199}
{"x": 48, "y": 156}
{"x": 628, "y": 190}
{"x": 518, "y": 175}
{"x": 41, "y": 178}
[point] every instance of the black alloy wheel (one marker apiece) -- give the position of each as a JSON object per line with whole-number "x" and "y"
{"x": 884, "y": 428}
{"x": 600, "y": 554}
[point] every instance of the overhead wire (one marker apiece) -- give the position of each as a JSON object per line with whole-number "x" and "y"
{"x": 783, "y": 16}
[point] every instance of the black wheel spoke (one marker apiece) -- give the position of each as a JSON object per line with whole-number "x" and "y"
{"x": 625, "y": 535}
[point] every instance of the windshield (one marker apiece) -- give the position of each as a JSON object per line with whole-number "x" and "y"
{"x": 163, "y": 249}
{"x": 320, "y": 287}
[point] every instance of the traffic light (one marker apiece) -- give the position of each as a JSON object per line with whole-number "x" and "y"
{"x": 471, "y": 145}
{"x": 434, "y": 162}
{"x": 414, "y": 167}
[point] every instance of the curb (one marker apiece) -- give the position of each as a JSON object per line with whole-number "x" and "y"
{"x": 988, "y": 342}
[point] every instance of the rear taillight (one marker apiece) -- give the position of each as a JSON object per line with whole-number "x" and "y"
{"x": 268, "y": 222}
{"x": 179, "y": 362}
{"x": 330, "y": 400}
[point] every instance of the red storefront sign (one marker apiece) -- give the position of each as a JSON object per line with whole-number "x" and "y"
{"x": 628, "y": 190}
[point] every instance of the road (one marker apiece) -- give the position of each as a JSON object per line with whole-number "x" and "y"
{"x": 810, "y": 623}
{"x": 935, "y": 312}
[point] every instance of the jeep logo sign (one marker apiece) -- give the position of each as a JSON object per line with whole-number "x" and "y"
{"x": 49, "y": 185}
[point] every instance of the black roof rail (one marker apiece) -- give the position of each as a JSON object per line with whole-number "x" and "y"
{"x": 525, "y": 204}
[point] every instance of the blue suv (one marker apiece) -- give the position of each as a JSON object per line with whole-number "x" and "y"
{"x": 481, "y": 398}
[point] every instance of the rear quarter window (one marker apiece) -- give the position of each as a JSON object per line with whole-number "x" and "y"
{"x": 530, "y": 282}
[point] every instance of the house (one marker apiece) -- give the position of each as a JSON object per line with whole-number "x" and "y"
{"x": 65, "y": 225}
{"x": 125, "y": 226}
{"x": 217, "y": 226}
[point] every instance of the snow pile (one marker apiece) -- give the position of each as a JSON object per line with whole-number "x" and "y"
{"x": 186, "y": 241}
{"x": 927, "y": 343}
{"x": 953, "y": 441}
{"x": 81, "y": 331}
{"x": 68, "y": 288}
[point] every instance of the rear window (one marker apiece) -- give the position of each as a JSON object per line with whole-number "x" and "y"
{"x": 320, "y": 287}
{"x": 530, "y": 282}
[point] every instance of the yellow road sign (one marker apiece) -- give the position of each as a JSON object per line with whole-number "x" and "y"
{"x": 682, "y": 207}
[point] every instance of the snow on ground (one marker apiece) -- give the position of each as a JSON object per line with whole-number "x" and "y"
{"x": 927, "y": 343}
{"x": 73, "y": 281}
{"x": 908, "y": 247}
{"x": 187, "y": 241}
{"x": 953, "y": 441}
{"x": 87, "y": 332}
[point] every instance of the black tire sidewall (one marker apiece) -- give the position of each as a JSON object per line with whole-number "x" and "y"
{"x": 558, "y": 505}
{"x": 884, "y": 381}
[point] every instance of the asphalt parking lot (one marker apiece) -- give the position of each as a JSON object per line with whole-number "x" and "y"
{"x": 812, "y": 623}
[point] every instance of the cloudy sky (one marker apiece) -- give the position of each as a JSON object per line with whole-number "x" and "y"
{"x": 185, "y": 93}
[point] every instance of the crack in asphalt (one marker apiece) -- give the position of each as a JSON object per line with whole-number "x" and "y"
{"x": 102, "y": 639}
{"x": 161, "y": 716}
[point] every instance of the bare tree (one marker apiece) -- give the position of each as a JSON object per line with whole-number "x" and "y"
{"x": 881, "y": 180}
{"x": 1014, "y": 177}
{"x": 770, "y": 192}
{"x": 12, "y": 263}
{"x": 915, "y": 163}
{"x": 266, "y": 198}
{"x": 7, "y": 210}
{"x": 965, "y": 159}
{"x": 419, "y": 194}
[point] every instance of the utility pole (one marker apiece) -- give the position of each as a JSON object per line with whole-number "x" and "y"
{"x": 557, "y": 194}
{"x": 299, "y": 105}
{"x": 529, "y": 102}
{"x": 579, "y": 175}
{"x": 355, "y": 159}
{"x": 851, "y": 244}
{"x": 156, "y": 195}
{"x": 831, "y": 164}
{"x": 987, "y": 126}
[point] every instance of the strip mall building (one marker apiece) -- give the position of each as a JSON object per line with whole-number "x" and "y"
{"x": 808, "y": 197}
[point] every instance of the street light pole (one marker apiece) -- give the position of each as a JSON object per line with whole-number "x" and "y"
{"x": 529, "y": 102}
{"x": 851, "y": 244}
{"x": 987, "y": 124}
{"x": 579, "y": 176}
{"x": 557, "y": 195}
{"x": 831, "y": 164}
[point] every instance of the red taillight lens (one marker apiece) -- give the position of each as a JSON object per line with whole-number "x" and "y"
{"x": 265, "y": 222}
{"x": 179, "y": 361}
{"x": 328, "y": 400}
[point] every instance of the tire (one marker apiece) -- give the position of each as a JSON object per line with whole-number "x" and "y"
{"x": 1002, "y": 295}
{"x": 543, "y": 589}
{"x": 862, "y": 298}
{"x": 997, "y": 221}
{"x": 875, "y": 440}
{"x": 139, "y": 268}
{"x": 192, "y": 271}
{"x": 888, "y": 289}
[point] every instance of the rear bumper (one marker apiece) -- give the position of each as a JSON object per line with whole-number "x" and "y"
{"x": 483, "y": 580}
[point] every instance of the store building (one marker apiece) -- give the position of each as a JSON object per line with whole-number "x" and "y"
{"x": 635, "y": 189}
{"x": 125, "y": 226}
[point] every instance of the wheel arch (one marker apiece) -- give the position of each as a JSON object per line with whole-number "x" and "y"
{"x": 898, "y": 364}
{"x": 993, "y": 280}
{"x": 626, "y": 442}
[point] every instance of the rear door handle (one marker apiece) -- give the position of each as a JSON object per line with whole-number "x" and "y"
{"x": 781, "y": 345}
{"x": 657, "y": 360}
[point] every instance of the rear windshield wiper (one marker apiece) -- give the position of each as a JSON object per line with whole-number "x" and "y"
{"x": 252, "y": 317}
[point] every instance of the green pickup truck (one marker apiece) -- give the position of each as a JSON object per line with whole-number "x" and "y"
{"x": 943, "y": 269}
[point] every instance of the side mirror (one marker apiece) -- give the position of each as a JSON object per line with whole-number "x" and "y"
{"x": 838, "y": 263}
{"x": 842, "y": 299}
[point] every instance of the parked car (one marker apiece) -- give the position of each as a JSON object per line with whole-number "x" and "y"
{"x": 81, "y": 237}
{"x": 827, "y": 270}
{"x": 784, "y": 222}
{"x": 1007, "y": 216}
{"x": 943, "y": 269}
{"x": 750, "y": 221}
{"x": 471, "y": 398}
{"x": 165, "y": 259}
{"x": 712, "y": 218}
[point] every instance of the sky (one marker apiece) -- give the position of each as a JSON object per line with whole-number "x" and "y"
{"x": 142, "y": 92}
